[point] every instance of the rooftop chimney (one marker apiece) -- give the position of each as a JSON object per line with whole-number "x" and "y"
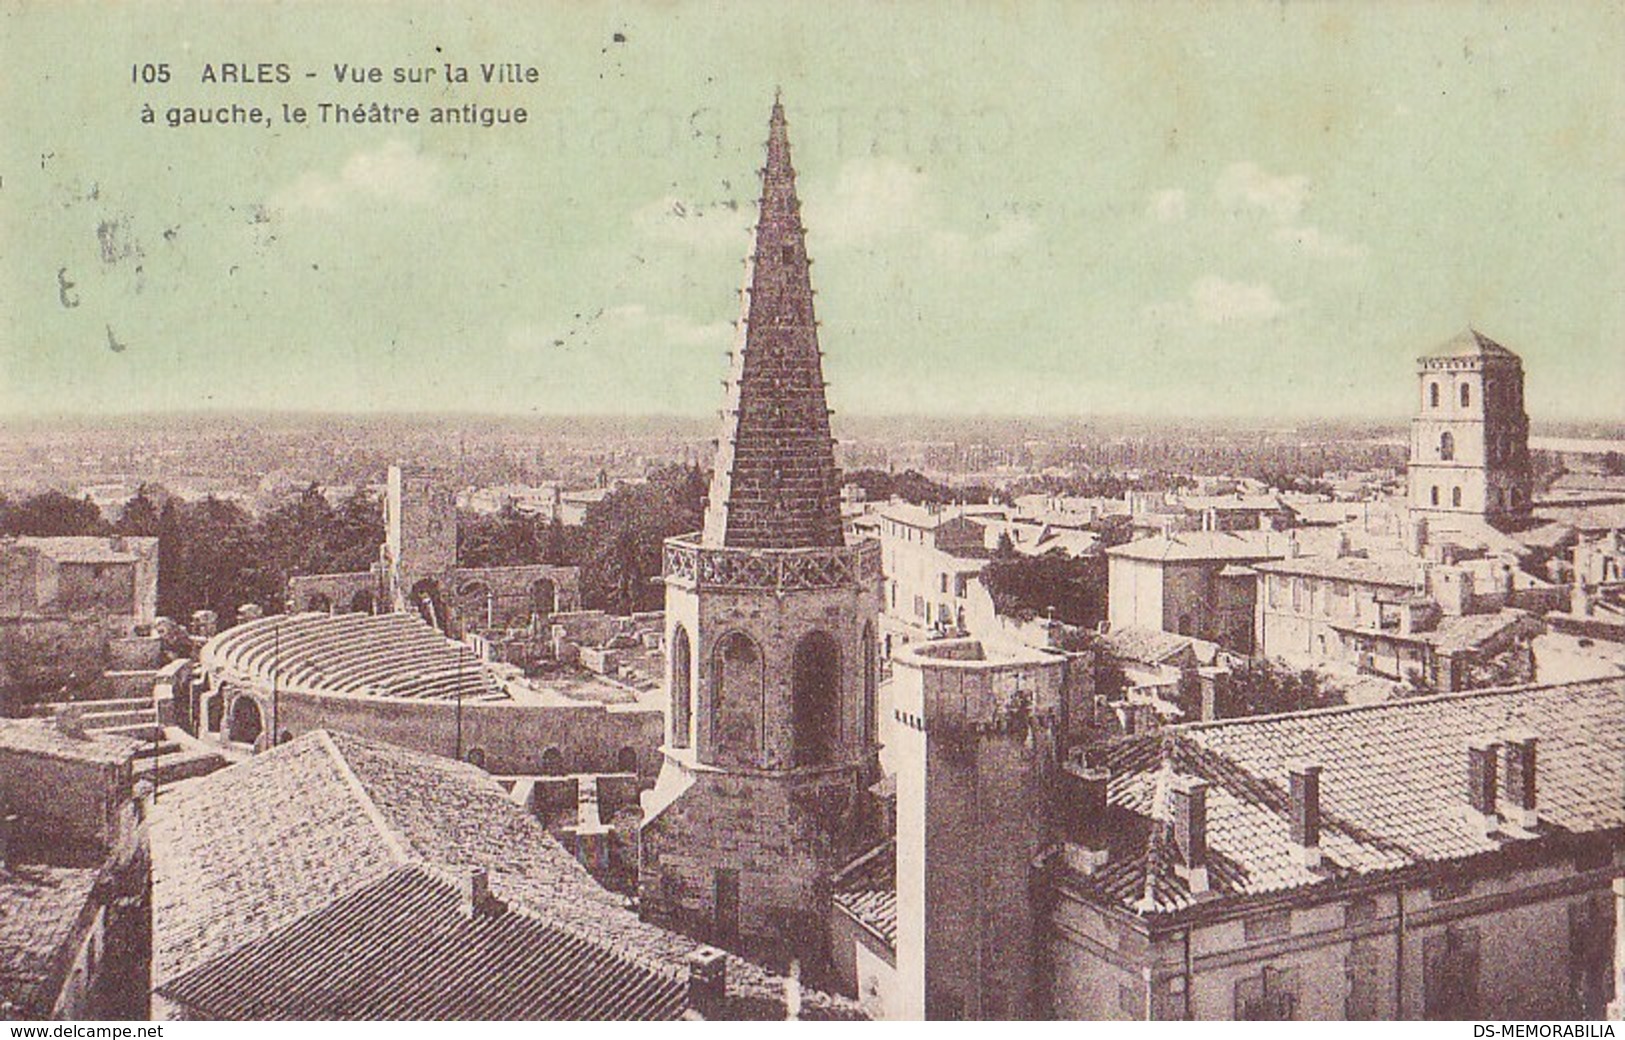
{"x": 707, "y": 981}
{"x": 1187, "y": 796}
{"x": 1481, "y": 786}
{"x": 474, "y": 891}
{"x": 1518, "y": 779}
{"x": 1305, "y": 782}
{"x": 1083, "y": 814}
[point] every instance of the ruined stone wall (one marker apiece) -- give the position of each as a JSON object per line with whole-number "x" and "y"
{"x": 513, "y": 737}
{"x": 74, "y": 801}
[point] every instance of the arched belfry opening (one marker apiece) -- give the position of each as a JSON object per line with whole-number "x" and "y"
{"x": 815, "y": 691}
{"x": 682, "y": 690}
{"x": 736, "y": 701}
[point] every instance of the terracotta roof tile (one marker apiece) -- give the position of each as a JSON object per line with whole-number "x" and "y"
{"x": 274, "y": 875}
{"x": 39, "y": 907}
{"x": 1391, "y": 788}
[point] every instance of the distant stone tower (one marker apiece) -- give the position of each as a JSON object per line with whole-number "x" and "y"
{"x": 770, "y": 624}
{"x": 420, "y": 543}
{"x": 1470, "y": 436}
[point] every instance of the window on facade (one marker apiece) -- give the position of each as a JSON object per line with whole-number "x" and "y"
{"x": 1435, "y": 494}
{"x": 1455, "y": 496}
{"x": 1268, "y": 997}
{"x": 1466, "y": 395}
{"x": 1450, "y": 974}
{"x": 1433, "y": 395}
{"x": 1447, "y": 446}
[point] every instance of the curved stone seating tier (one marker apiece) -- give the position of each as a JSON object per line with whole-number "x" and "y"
{"x": 385, "y": 655}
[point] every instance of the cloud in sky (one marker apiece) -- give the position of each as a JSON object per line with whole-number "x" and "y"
{"x": 392, "y": 172}
{"x": 1246, "y": 186}
{"x": 872, "y": 199}
{"x": 1168, "y": 206}
{"x": 1217, "y": 301}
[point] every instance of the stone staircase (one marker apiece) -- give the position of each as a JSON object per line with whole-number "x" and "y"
{"x": 164, "y": 754}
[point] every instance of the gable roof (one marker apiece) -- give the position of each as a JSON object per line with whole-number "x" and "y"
{"x": 1391, "y": 791}
{"x": 277, "y": 882}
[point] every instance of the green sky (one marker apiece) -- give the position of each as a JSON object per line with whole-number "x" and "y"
{"x": 1078, "y": 208}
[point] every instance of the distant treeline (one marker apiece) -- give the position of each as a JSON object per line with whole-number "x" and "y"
{"x": 216, "y": 555}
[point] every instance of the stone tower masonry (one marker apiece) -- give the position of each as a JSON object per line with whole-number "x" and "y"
{"x": 420, "y": 542}
{"x": 770, "y": 624}
{"x": 1470, "y": 437}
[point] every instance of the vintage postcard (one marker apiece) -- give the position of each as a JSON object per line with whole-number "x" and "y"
{"x": 685, "y": 509}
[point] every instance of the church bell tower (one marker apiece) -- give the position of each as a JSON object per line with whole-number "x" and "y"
{"x": 1470, "y": 436}
{"x": 770, "y": 622}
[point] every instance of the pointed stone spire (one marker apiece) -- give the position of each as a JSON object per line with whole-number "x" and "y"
{"x": 774, "y": 486}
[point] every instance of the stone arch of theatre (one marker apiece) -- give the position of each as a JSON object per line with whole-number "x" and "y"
{"x": 737, "y": 696}
{"x": 429, "y": 601}
{"x": 245, "y": 720}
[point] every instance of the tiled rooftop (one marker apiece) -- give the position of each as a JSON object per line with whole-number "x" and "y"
{"x": 1392, "y": 790}
{"x": 1206, "y": 545}
{"x": 1150, "y": 645}
{"x": 39, "y": 906}
{"x": 1395, "y": 573}
{"x": 867, "y": 891}
{"x": 279, "y": 876}
{"x": 1464, "y": 631}
{"x": 1469, "y": 343}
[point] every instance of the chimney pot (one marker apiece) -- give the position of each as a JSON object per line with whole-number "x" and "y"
{"x": 1305, "y": 783}
{"x": 1481, "y": 784}
{"x": 1518, "y": 789}
{"x": 1083, "y": 813}
{"x": 1188, "y": 795}
{"x": 707, "y": 981}
{"x": 475, "y": 891}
